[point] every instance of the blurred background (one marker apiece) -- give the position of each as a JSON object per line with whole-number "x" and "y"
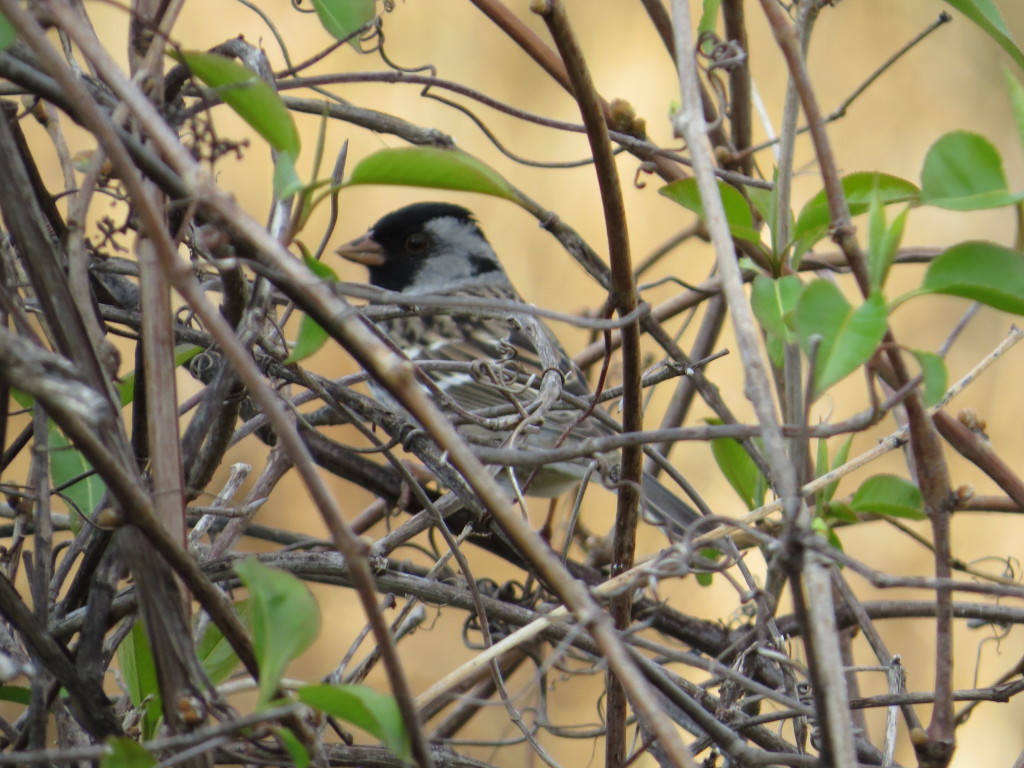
{"x": 954, "y": 80}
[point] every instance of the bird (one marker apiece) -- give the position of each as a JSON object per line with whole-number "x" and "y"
{"x": 438, "y": 249}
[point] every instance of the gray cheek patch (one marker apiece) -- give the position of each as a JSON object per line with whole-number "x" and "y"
{"x": 462, "y": 254}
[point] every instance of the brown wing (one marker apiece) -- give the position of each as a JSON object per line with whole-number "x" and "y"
{"x": 472, "y": 337}
{"x": 508, "y": 346}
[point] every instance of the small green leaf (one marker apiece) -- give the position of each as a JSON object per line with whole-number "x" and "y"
{"x": 15, "y": 693}
{"x": 859, "y": 188}
{"x": 285, "y": 620}
{"x": 776, "y": 349}
{"x": 253, "y": 99}
{"x": 311, "y": 336}
{"x": 343, "y": 18}
{"x": 431, "y": 167}
{"x": 708, "y": 16}
{"x": 823, "y": 527}
{"x": 125, "y": 753}
{"x": 216, "y": 656}
{"x": 183, "y": 353}
{"x": 766, "y": 204}
{"x": 934, "y": 375}
{"x": 763, "y": 202}
{"x": 296, "y": 749}
{"x": 849, "y": 337}
{"x": 286, "y": 177}
{"x": 7, "y": 33}
{"x": 821, "y": 467}
{"x": 876, "y": 239}
{"x": 739, "y": 469}
{"x": 704, "y": 578}
{"x": 883, "y": 244}
{"x": 1016, "y": 102}
{"x": 66, "y": 463}
{"x": 737, "y": 210}
{"x": 981, "y": 271}
{"x": 829, "y": 491}
{"x": 24, "y": 400}
{"x": 986, "y": 15}
{"x": 964, "y": 172}
{"x": 319, "y": 268}
{"x": 376, "y": 713}
{"x": 841, "y": 513}
{"x": 138, "y": 669}
{"x": 889, "y": 495}
{"x": 774, "y": 302}
{"x": 309, "y": 341}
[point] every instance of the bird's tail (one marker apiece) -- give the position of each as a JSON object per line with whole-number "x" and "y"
{"x": 664, "y": 507}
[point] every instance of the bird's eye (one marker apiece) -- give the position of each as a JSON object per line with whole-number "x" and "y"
{"x": 416, "y": 243}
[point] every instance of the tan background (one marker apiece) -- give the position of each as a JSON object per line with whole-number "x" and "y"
{"x": 952, "y": 81}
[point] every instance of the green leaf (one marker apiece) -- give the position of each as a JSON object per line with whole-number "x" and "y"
{"x": 776, "y": 349}
{"x": 763, "y": 201}
{"x": 1016, "y": 102}
{"x": 216, "y": 656}
{"x": 431, "y": 167}
{"x": 711, "y": 553}
{"x": 840, "y": 512}
{"x": 343, "y": 18}
{"x": 311, "y": 336}
{"x": 296, "y": 749}
{"x": 876, "y": 239}
{"x": 849, "y": 337}
{"x": 985, "y": 14}
{"x": 859, "y": 188}
{"x": 774, "y": 302}
{"x": 889, "y": 495}
{"x": 708, "y": 17}
{"x": 883, "y": 246}
{"x": 737, "y": 210}
{"x": 309, "y": 341}
{"x": 253, "y": 99}
{"x": 739, "y": 469}
{"x": 829, "y": 491}
{"x": 286, "y": 177}
{"x": 963, "y": 171}
{"x": 125, "y": 753}
{"x": 981, "y": 271}
{"x": 766, "y": 204}
{"x": 285, "y": 620}
{"x": 319, "y": 268}
{"x": 934, "y": 376}
{"x": 66, "y": 463}
{"x": 24, "y": 400}
{"x": 15, "y": 693}
{"x": 820, "y": 468}
{"x": 183, "y": 353}
{"x": 138, "y": 669}
{"x": 7, "y": 33}
{"x": 704, "y": 578}
{"x": 376, "y": 713}
{"x": 824, "y": 527}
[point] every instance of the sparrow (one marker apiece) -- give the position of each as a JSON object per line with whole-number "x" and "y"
{"x": 439, "y": 250}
